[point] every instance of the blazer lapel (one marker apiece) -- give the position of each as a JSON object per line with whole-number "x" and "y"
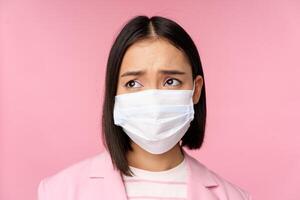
{"x": 199, "y": 181}
{"x": 108, "y": 183}
{"x": 106, "y": 180}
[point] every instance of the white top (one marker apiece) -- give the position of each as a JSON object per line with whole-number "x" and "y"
{"x": 151, "y": 185}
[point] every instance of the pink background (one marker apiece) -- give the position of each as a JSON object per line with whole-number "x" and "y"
{"x": 53, "y": 57}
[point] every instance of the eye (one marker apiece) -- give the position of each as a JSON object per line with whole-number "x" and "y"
{"x": 173, "y": 82}
{"x": 132, "y": 84}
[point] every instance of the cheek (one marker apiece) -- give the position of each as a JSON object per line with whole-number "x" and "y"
{"x": 120, "y": 88}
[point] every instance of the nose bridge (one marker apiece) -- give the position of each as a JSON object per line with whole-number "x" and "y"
{"x": 153, "y": 81}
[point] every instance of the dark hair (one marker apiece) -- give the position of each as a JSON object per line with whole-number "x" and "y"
{"x": 143, "y": 27}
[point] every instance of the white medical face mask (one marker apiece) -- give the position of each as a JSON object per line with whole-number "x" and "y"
{"x": 155, "y": 119}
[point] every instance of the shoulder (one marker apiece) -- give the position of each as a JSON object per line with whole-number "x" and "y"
{"x": 67, "y": 179}
{"x": 221, "y": 186}
{"x": 231, "y": 190}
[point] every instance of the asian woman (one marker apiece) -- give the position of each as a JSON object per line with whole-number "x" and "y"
{"x": 154, "y": 107}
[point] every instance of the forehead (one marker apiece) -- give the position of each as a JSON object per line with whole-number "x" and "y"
{"x": 154, "y": 53}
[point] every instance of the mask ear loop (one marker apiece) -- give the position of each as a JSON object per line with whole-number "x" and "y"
{"x": 193, "y": 86}
{"x": 180, "y": 142}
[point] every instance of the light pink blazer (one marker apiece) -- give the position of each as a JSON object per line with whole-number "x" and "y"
{"x": 94, "y": 178}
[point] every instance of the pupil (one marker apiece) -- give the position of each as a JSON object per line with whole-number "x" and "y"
{"x": 170, "y": 81}
{"x": 131, "y": 83}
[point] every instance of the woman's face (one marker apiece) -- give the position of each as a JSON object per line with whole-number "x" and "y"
{"x": 156, "y": 64}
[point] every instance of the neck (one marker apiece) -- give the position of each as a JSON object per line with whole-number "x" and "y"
{"x": 139, "y": 158}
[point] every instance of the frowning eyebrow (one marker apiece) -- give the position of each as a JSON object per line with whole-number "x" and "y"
{"x": 139, "y": 73}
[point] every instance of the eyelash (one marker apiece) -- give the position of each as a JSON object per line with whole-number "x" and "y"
{"x": 126, "y": 85}
{"x": 180, "y": 82}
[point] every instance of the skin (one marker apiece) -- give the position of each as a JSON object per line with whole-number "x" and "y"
{"x": 149, "y": 57}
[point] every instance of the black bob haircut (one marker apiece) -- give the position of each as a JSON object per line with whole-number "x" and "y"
{"x": 142, "y": 27}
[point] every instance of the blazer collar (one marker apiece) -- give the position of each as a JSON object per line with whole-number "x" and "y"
{"x": 200, "y": 178}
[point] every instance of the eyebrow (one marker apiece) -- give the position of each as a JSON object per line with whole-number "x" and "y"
{"x": 139, "y": 73}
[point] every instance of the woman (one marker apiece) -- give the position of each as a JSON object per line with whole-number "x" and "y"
{"x": 154, "y": 105}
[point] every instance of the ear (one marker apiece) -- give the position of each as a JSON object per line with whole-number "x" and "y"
{"x": 198, "y": 89}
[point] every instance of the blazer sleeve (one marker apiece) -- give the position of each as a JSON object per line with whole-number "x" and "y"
{"x": 245, "y": 195}
{"x": 42, "y": 195}
{"x": 249, "y": 196}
